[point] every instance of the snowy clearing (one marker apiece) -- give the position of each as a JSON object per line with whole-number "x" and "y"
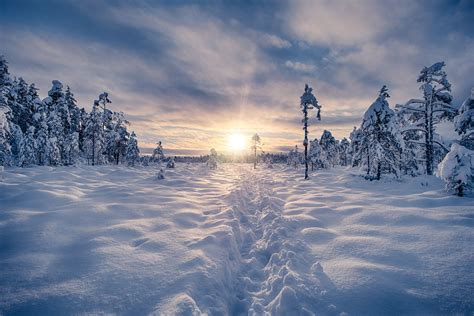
{"x": 231, "y": 241}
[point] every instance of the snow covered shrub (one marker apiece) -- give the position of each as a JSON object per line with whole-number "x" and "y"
{"x": 212, "y": 161}
{"x": 161, "y": 174}
{"x": 457, "y": 170}
{"x": 170, "y": 164}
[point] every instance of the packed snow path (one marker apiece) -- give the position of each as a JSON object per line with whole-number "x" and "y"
{"x": 231, "y": 241}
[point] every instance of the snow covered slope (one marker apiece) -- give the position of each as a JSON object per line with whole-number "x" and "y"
{"x": 231, "y": 241}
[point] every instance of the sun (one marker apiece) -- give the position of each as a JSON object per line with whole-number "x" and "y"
{"x": 236, "y": 142}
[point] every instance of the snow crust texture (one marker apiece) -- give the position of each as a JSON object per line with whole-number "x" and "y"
{"x": 231, "y": 241}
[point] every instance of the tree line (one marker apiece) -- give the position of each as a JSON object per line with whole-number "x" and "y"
{"x": 403, "y": 140}
{"x": 55, "y": 131}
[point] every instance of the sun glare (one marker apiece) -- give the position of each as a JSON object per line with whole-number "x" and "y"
{"x": 236, "y": 142}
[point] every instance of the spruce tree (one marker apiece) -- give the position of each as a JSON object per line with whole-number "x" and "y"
{"x": 133, "y": 153}
{"x": 28, "y": 149}
{"x": 315, "y": 154}
{"x": 381, "y": 143}
{"x": 329, "y": 150}
{"x": 94, "y": 135}
{"x": 5, "y": 150}
{"x": 344, "y": 152}
{"x": 158, "y": 156}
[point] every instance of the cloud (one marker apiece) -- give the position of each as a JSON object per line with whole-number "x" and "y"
{"x": 274, "y": 40}
{"x": 341, "y": 22}
{"x": 300, "y": 66}
{"x": 188, "y": 74}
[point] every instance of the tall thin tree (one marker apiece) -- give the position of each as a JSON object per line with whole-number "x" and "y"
{"x": 308, "y": 102}
{"x": 256, "y": 143}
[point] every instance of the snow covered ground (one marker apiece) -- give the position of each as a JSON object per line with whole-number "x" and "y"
{"x": 97, "y": 240}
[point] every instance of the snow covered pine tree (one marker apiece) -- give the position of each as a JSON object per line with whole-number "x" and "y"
{"x": 94, "y": 135}
{"x": 380, "y": 145}
{"x": 315, "y": 154}
{"x": 329, "y": 150}
{"x": 133, "y": 153}
{"x": 212, "y": 161}
{"x": 158, "y": 156}
{"x": 426, "y": 113}
{"x": 308, "y": 102}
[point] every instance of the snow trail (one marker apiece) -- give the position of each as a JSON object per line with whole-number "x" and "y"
{"x": 277, "y": 274}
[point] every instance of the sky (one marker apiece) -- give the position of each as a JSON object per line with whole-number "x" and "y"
{"x": 192, "y": 73}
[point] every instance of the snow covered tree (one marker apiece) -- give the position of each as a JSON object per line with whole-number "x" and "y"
{"x": 464, "y": 122}
{"x": 308, "y": 102}
{"x": 116, "y": 137}
{"x": 381, "y": 143}
{"x": 294, "y": 158}
{"x": 21, "y": 105}
{"x": 356, "y": 138}
{"x": 16, "y": 137}
{"x": 256, "y": 144}
{"x": 329, "y": 150}
{"x": 53, "y": 152}
{"x": 5, "y": 80}
{"x": 158, "y": 155}
{"x": 425, "y": 113}
{"x": 213, "y": 159}
{"x": 42, "y": 137}
{"x": 94, "y": 135}
{"x": 5, "y": 152}
{"x": 72, "y": 151}
{"x": 28, "y": 149}
{"x": 457, "y": 170}
{"x": 315, "y": 154}
{"x": 73, "y": 110}
{"x": 344, "y": 152}
{"x": 133, "y": 153}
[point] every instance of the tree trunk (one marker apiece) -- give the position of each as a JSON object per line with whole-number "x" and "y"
{"x": 429, "y": 135}
{"x": 305, "y": 143}
{"x": 368, "y": 162}
{"x": 93, "y": 149}
{"x": 255, "y": 156}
